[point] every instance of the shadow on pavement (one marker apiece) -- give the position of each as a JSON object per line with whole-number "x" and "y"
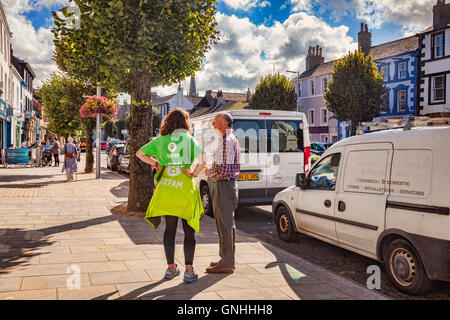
{"x": 21, "y": 177}
{"x": 121, "y": 191}
{"x": 17, "y": 247}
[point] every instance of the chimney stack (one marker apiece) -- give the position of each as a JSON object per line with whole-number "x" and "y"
{"x": 192, "y": 87}
{"x": 441, "y": 14}
{"x": 314, "y": 57}
{"x": 364, "y": 39}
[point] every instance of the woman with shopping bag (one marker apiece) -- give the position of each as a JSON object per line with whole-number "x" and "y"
{"x": 70, "y": 164}
{"x": 173, "y": 153}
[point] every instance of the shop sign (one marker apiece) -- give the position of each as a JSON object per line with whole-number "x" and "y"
{"x": 17, "y": 156}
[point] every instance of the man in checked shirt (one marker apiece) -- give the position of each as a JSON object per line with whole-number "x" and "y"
{"x": 223, "y": 173}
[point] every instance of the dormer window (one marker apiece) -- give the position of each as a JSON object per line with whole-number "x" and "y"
{"x": 438, "y": 45}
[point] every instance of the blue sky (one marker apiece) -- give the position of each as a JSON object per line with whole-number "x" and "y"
{"x": 254, "y": 34}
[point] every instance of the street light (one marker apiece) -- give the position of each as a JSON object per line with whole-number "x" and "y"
{"x": 97, "y": 140}
{"x": 298, "y": 82}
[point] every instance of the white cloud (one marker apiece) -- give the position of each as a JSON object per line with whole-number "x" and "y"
{"x": 412, "y": 15}
{"x": 246, "y": 5}
{"x": 237, "y": 63}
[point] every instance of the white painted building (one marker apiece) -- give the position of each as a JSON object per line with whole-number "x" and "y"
{"x": 17, "y": 102}
{"x": 434, "y": 63}
{"x": 5, "y": 79}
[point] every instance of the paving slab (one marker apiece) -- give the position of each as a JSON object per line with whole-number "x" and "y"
{"x": 51, "y": 282}
{"x": 47, "y": 225}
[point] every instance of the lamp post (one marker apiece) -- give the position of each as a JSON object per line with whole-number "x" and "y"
{"x": 97, "y": 139}
{"x": 298, "y": 83}
{"x": 98, "y": 146}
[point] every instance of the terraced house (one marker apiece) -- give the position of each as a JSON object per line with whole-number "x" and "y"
{"x": 398, "y": 60}
{"x": 434, "y": 60}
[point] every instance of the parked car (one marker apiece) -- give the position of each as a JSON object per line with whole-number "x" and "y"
{"x": 320, "y": 147}
{"x": 383, "y": 195}
{"x": 124, "y": 159}
{"x": 112, "y": 158}
{"x": 274, "y": 147}
{"x": 111, "y": 143}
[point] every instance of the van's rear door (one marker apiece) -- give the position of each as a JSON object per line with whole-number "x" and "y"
{"x": 251, "y": 133}
{"x": 285, "y": 157}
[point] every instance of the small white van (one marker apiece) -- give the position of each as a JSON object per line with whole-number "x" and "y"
{"x": 384, "y": 195}
{"x": 274, "y": 145}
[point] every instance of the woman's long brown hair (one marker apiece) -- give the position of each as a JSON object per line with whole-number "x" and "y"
{"x": 175, "y": 119}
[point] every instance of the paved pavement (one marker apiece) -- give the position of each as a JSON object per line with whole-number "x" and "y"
{"x": 55, "y": 235}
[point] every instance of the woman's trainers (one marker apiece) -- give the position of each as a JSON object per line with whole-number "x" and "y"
{"x": 190, "y": 276}
{"x": 171, "y": 273}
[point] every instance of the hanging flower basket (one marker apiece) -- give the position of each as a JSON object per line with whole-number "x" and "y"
{"x": 102, "y": 105}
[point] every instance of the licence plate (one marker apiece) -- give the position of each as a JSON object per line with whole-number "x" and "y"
{"x": 248, "y": 176}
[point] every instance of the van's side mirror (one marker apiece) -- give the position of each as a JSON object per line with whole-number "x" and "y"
{"x": 300, "y": 181}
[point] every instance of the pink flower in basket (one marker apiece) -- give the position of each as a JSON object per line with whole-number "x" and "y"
{"x": 106, "y": 107}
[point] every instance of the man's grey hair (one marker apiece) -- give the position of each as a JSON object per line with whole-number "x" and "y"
{"x": 69, "y": 139}
{"x": 228, "y": 118}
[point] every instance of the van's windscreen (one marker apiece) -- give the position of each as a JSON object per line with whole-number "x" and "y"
{"x": 260, "y": 136}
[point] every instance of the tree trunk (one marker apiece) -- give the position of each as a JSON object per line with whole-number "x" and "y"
{"x": 141, "y": 176}
{"x": 89, "y": 152}
{"x": 353, "y": 127}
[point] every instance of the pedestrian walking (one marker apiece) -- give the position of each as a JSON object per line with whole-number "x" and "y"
{"x": 223, "y": 172}
{"x": 70, "y": 163}
{"x": 172, "y": 154}
{"x": 55, "y": 151}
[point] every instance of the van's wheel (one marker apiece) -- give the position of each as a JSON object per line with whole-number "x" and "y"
{"x": 206, "y": 200}
{"x": 405, "y": 268}
{"x": 285, "y": 225}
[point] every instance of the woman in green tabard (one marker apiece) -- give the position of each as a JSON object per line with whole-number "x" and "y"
{"x": 177, "y": 194}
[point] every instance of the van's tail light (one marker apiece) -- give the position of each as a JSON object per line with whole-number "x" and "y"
{"x": 307, "y": 159}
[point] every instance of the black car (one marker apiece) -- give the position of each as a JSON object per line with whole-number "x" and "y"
{"x": 320, "y": 147}
{"x": 111, "y": 143}
{"x": 112, "y": 158}
{"x": 124, "y": 159}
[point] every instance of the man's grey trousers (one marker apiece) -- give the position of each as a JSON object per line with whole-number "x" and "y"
{"x": 224, "y": 201}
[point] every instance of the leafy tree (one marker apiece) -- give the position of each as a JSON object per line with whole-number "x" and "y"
{"x": 57, "y": 95}
{"x": 108, "y": 127}
{"x": 131, "y": 46}
{"x": 274, "y": 92}
{"x": 120, "y": 124}
{"x": 356, "y": 90}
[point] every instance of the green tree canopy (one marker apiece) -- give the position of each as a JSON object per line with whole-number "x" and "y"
{"x": 108, "y": 126}
{"x": 356, "y": 90}
{"x": 274, "y": 92}
{"x": 60, "y": 96}
{"x": 131, "y": 46}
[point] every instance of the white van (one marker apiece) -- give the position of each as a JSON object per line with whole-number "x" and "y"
{"x": 274, "y": 148}
{"x": 384, "y": 195}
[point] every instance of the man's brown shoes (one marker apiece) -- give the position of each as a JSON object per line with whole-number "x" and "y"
{"x": 216, "y": 268}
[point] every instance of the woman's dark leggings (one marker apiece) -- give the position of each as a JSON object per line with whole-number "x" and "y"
{"x": 169, "y": 240}
{"x": 56, "y": 159}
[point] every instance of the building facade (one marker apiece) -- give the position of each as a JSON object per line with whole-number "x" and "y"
{"x": 31, "y": 116}
{"x": 5, "y": 81}
{"x": 310, "y": 87}
{"x": 17, "y": 101}
{"x": 434, "y": 59}
{"x": 397, "y": 60}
